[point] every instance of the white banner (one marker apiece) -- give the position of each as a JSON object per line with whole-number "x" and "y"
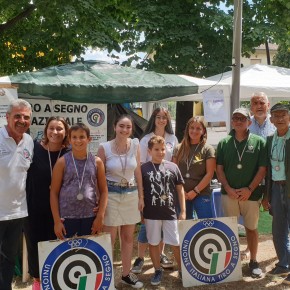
{"x": 6, "y": 96}
{"x": 93, "y": 115}
{"x": 210, "y": 251}
{"x": 81, "y": 263}
{"x": 214, "y": 106}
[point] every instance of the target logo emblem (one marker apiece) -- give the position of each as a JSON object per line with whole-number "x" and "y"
{"x": 80, "y": 264}
{"x": 210, "y": 251}
{"x": 96, "y": 117}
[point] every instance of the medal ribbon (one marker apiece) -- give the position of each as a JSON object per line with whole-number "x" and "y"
{"x": 49, "y": 158}
{"x": 164, "y": 180}
{"x": 241, "y": 156}
{"x": 189, "y": 163}
{"x": 80, "y": 183}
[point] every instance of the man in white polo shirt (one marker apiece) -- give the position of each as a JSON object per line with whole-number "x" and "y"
{"x": 16, "y": 149}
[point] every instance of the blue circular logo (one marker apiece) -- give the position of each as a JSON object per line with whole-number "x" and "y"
{"x": 210, "y": 251}
{"x": 96, "y": 117}
{"x": 77, "y": 264}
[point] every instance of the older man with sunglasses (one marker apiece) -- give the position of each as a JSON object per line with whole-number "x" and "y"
{"x": 278, "y": 188}
{"x": 241, "y": 166}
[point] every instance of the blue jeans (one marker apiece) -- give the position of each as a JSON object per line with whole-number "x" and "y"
{"x": 280, "y": 207}
{"x": 199, "y": 207}
{"x": 142, "y": 236}
{"x": 10, "y": 233}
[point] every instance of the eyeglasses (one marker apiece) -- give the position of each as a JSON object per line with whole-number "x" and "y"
{"x": 161, "y": 117}
{"x": 241, "y": 119}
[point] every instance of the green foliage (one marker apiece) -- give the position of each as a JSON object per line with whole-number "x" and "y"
{"x": 181, "y": 36}
{"x": 282, "y": 58}
{"x": 189, "y": 37}
{"x": 50, "y": 32}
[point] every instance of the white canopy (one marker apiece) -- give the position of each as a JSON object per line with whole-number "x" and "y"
{"x": 274, "y": 81}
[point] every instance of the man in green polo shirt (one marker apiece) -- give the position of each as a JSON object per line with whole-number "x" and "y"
{"x": 241, "y": 166}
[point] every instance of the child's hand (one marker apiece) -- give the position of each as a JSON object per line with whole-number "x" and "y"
{"x": 141, "y": 204}
{"x": 97, "y": 226}
{"x": 59, "y": 230}
{"x": 182, "y": 216}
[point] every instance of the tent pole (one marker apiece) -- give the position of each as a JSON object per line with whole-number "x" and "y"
{"x": 237, "y": 43}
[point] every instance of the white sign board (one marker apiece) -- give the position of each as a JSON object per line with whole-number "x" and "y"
{"x": 81, "y": 263}
{"x": 93, "y": 115}
{"x": 214, "y": 106}
{"x": 209, "y": 251}
{"x": 6, "y": 96}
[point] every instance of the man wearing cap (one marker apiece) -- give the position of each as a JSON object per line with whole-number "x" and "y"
{"x": 241, "y": 165}
{"x": 278, "y": 188}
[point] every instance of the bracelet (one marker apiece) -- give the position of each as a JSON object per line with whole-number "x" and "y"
{"x": 197, "y": 193}
{"x": 250, "y": 189}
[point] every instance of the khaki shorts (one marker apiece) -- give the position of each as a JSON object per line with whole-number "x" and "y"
{"x": 248, "y": 209}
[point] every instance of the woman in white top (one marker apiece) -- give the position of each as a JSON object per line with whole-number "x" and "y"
{"x": 159, "y": 124}
{"x": 121, "y": 157}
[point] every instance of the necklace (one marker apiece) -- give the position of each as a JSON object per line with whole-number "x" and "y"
{"x": 239, "y": 165}
{"x": 80, "y": 195}
{"x": 49, "y": 159}
{"x": 163, "y": 195}
{"x": 278, "y": 154}
{"x": 124, "y": 181}
{"x": 187, "y": 175}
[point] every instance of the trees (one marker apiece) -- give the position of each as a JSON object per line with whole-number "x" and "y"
{"x": 39, "y": 33}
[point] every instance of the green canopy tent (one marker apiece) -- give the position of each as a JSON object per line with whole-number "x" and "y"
{"x": 100, "y": 82}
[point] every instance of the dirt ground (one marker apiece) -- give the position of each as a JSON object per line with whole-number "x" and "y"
{"x": 266, "y": 257}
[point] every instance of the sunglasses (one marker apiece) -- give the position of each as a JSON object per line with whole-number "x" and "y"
{"x": 239, "y": 119}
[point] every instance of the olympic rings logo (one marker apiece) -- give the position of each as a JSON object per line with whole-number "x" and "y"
{"x": 208, "y": 223}
{"x": 75, "y": 243}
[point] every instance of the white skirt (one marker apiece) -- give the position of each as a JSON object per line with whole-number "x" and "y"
{"x": 122, "y": 209}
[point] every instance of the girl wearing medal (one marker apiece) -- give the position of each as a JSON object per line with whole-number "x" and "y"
{"x": 196, "y": 161}
{"x": 39, "y": 224}
{"x": 159, "y": 124}
{"x": 78, "y": 187}
{"x": 121, "y": 157}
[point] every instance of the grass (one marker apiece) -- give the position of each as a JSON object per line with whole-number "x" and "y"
{"x": 265, "y": 223}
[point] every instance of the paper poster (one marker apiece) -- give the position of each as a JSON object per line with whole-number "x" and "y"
{"x": 81, "y": 263}
{"x": 6, "y": 96}
{"x": 210, "y": 251}
{"x": 93, "y": 115}
{"x": 214, "y": 106}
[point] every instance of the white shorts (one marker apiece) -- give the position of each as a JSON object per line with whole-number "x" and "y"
{"x": 154, "y": 228}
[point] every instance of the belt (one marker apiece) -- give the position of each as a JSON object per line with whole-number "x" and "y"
{"x": 123, "y": 185}
{"x": 280, "y": 182}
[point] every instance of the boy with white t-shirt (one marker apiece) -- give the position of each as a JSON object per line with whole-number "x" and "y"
{"x": 163, "y": 184}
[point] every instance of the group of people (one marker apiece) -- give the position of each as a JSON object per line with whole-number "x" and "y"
{"x": 157, "y": 181}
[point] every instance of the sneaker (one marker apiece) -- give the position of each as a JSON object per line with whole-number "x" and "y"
{"x": 165, "y": 262}
{"x": 138, "y": 265}
{"x": 287, "y": 280}
{"x": 132, "y": 280}
{"x": 157, "y": 277}
{"x": 278, "y": 271}
{"x": 256, "y": 272}
{"x": 36, "y": 285}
